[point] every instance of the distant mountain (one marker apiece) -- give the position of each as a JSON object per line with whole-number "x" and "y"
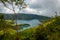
{"x": 23, "y": 16}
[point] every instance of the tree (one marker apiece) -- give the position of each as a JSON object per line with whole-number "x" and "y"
{"x": 1, "y": 21}
{"x": 56, "y": 14}
{"x": 4, "y": 25}
{"x": 14, "y": 5}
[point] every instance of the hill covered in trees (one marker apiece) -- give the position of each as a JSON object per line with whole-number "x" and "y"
{"x": 23, "y": 16}
{"x": 49, "y": 30}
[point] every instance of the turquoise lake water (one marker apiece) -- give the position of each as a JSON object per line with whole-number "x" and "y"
{"x": 32, "y": 23}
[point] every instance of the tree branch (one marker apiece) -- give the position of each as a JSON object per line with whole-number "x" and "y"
{"x": 5, "y": 5}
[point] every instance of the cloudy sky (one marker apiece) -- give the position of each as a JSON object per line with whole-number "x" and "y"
{"x": 38, "y": 7}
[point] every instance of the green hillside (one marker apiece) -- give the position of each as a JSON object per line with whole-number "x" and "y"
{"x": 49, "y": 30}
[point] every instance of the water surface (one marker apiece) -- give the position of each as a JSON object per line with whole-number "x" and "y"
{"x": 32, "y": 23}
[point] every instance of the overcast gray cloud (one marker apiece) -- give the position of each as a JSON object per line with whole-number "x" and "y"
{"x": 43, "y": 4}
{"x": 49, "y": 5}
{"x": 39, "y": 7}
{"x": 1, "y": 8}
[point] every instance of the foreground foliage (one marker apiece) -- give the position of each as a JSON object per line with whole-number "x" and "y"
{"x": 49, "y": 30}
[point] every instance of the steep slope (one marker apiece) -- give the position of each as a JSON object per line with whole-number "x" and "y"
{"x": 49, "y": 30}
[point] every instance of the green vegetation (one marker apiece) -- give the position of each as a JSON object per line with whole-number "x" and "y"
{"x": 49, "y": 30}
{"x": 7, "y": 29}
{"x": 28, "y": 34}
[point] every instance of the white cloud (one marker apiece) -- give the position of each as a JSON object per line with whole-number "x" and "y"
{"x": 6, "y": 10}
{"x": 50, "y": 6}
{"x": 30, "y": 10}
{"x": 39, "y": 7}
{"x": 33, "y": 1}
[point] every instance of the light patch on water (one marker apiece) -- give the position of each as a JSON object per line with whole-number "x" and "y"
{"x": 32, "y": 23}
